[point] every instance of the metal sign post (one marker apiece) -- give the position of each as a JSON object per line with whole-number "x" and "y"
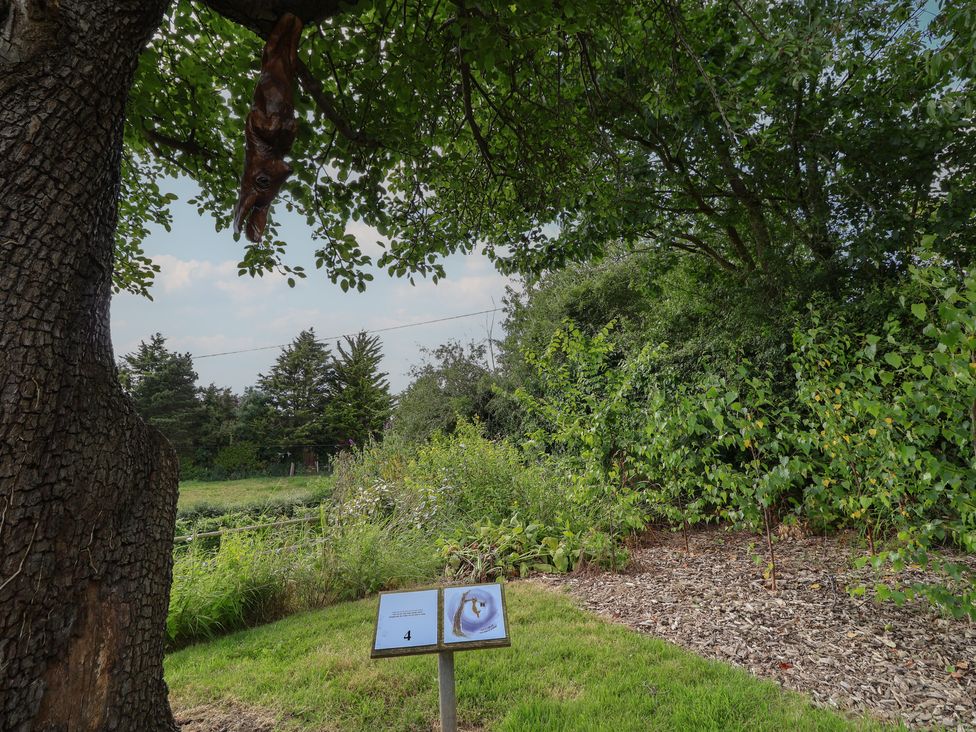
{"x": 445, "y": 681}
{"x": 441, "y": 621}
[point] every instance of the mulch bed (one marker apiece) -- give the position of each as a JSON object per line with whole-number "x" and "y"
{"x": 898, "y": 663}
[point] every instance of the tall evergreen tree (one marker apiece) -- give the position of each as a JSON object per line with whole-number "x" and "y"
{"x": 220, "y": 410}
{"x": 256, "y": 423}
{"x": 163, "y": 386}
{"x": 298, "y": 388}
{"x": 361, "y": 402}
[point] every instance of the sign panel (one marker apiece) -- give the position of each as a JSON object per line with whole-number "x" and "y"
{"x": 406, "y": 623}
{"x": 474, "y": 614}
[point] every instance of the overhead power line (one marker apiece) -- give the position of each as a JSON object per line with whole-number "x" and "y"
{"x": 349, "y": 335}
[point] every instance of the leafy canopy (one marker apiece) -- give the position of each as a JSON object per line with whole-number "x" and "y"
{"x": 431, "y": 122}
{"x": 803, "y": 141}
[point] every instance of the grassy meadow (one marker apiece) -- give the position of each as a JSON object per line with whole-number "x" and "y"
{"x": 233, "y": 494}
{"x": 566, "y": 670}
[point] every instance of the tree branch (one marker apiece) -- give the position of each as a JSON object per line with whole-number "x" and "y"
{"x": 192, "y": 148}
{"x": 326, "y": 104}
{"x": 466, "y": 96}
{"x": 261, "y": 15}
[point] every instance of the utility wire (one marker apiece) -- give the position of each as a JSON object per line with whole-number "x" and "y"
{"x": 349, "y": 335}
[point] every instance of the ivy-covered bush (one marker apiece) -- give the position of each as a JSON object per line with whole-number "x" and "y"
{"x": 876, "y": 433}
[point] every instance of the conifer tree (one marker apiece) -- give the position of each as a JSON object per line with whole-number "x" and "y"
{"x": 162, "y": 384}
{"x": 361, "y": 402}
{"x": 298, "y": 388}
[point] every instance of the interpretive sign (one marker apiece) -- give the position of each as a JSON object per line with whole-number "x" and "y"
{"x": 474, "y": 615}
{"x": 406, "y": 623}
{"x": 451, "y": 618}
{"x": 441, "y": 621}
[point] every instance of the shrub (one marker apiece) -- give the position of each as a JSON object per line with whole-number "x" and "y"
{"x": 514, "y": 548}
{"x": 453, "y": 480}
{"x": 240, "y": 584}
{"x": 239, "y": 459}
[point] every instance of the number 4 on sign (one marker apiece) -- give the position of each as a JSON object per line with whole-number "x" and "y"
{"x": 407, "y": 636}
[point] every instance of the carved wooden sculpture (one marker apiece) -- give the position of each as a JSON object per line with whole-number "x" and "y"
{"x": 270, "y": 129}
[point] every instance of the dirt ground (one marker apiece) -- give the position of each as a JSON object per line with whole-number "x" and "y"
{"x": 224, "y": 717}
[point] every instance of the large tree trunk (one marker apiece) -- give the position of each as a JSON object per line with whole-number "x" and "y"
{"x": 87, "y": 490}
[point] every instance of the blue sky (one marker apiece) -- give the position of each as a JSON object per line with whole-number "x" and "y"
{"x": 202, "y": 306}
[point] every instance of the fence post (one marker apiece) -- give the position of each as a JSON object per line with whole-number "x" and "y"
{"x": 445, "y": 680}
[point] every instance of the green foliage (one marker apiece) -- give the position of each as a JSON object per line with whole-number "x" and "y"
{"x": 454, "y": 480}
{"x": 258, "y": 576}
{"x": 793, "y": 144}
{"x": 453, "y": 383}
{"x": 513, "y": 548}
{"x": 395, "y": 145}
{"x": 163, "y": 386}
{"x": 892, "y": 422}
{"x": 220, "y": 405}
{"x": 298, "y": 392}
{"x": 238, "y": 459}
{"x": 875, "y": 433}
{"x": 239, "y": 585}
{"x": 360, "y": 402}
{"x": 787, "y": 144}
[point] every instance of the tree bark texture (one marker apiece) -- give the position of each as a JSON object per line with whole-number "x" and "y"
{"x": 87, "y": 490}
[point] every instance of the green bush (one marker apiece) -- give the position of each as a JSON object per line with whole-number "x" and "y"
{"x": 876, "y": 433}
{"x": 890, "y": 429}
{"x": 453, "y": 480}
{"x": 514, "y": 548}
{"x": 239, "y": 459}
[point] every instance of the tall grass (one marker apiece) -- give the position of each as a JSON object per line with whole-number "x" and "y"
{"x": 393, "y": 505}
{"x": 256, "y": 577}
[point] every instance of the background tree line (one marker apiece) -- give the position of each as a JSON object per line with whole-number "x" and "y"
{"x": 310, "y": 404}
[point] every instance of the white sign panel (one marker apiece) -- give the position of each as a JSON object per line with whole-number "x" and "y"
{"x": 474, "y": 614}
{"x": 406, "y": 622}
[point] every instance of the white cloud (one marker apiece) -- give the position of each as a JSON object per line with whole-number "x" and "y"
{"x": 181, "y": 274}
{"x": 177, "y": 274}
{"x": 465, "y": 292}
{"x": 368, "y": 238}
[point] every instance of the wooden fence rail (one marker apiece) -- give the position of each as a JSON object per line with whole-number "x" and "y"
{"x": 238, "y": 529}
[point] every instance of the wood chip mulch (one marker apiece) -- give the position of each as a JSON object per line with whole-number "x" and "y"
{"x": 896, "y": 663}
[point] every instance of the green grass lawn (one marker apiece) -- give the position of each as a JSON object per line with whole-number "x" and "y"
{"x": 566, "y": 670}
{"x": 236, "y": 493}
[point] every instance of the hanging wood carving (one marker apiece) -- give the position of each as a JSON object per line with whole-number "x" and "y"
{"x": 270, "y": 129}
